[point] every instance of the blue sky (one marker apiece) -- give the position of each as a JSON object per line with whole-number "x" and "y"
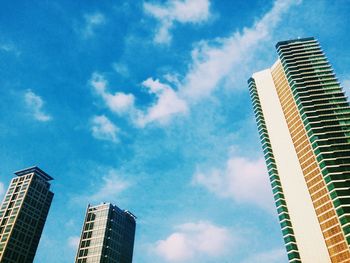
{"x": 145, "y": 104}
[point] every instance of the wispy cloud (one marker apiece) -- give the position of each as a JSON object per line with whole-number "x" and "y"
{"x": 216, "y": 61}
{"x": 2, "y": 190}
{"x": 213, "y": 61}
{"x": 180, "y": 11}
{"x": 103, "y": 129}
{"x": 346, "y": 85}
{"x": 35, "y": 105}
{"x": 9, "y": 48}
{"x": 118, "y": 102}
{"x": 241, "y": 179}
{"x": 70, "y": 223}
{"x": 273, "y": 256}
{"x": 121, "y": 69}
{"x": 92, "y": 22}
{"x": 167, "y": 103}
{"x": 73, "y": 242}
{"x": 112, "y": 184}
{"x": 194, "y": 240}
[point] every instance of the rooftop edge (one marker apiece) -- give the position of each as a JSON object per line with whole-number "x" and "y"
{"x": 36, "y": 170}
{"x": 114, "y": 206}
{"x": 293, "y": 41}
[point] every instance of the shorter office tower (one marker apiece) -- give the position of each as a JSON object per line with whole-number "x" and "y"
{"x": 108, "y": 235}
{"x": 23, "y": 214}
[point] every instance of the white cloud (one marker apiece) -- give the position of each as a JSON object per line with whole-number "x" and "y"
{"x": 213, "y": 61}
{"x": 35, "y": 105}
{"x": 103, "y": 129}
{"x": 181, "y": 11}
{"x": 92, "y": 21}
{"x": 109, "y": 190}
{"x": 194, "y": 240}
{"x": 167, "y": 103}
{"x": 118, "y": 102}
{"x": 73, "y": 242}
{"x": 272, "y": 256}
{"x": 243, "y": 180}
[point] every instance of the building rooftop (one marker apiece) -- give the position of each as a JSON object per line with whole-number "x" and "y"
{"x": 293, "y": 41}
{"x": 104, "y": 204}
{"x": 36, "y": 170}
{"x": 130, "y": 214}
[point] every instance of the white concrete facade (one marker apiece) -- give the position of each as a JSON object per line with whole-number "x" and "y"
{"x": 310, "y": 241}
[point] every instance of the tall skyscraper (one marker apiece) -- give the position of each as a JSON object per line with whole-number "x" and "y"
{"x": 23, "y": 214}
{"x": 303, "y": 120}
{"x": 107, "y": 236}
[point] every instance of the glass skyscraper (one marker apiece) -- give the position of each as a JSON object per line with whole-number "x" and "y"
{"x": 107, "y": 236}
{"x": 303, "y": 119}
{"x": 23, "y": 214}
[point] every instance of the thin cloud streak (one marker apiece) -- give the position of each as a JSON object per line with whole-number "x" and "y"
{"x": 112, "y": 185}
{"x": 176, "y": 11}
{"x": 10, "y": 48}
{"x": 92, "y": 22}
{"x": 346, "y": 85}
{"x": 103, "y": 129}
{"x": 121, "y": 69}
{"x": 213, "y": 61}
{"x": 35, "y": 104}
{"x": 2, "y": 190}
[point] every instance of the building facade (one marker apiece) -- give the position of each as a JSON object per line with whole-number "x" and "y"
{"x": 107, "y": 236}
{"x": 23, "y": 214}
{"x": 303, "y": 119}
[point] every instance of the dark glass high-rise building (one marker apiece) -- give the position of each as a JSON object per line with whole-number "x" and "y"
{"x": 23, "y": 214}
{"x": 108, "y": 235}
